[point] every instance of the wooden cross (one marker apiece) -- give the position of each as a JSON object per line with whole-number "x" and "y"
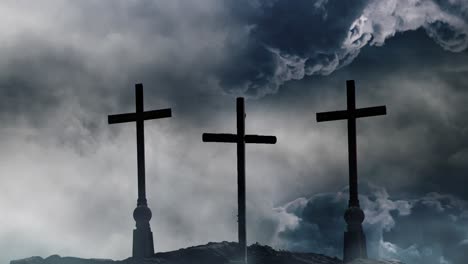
{"x": 142, "y": 237}
{"x": 240, "y": 139}
{"x": 350, "y": 114}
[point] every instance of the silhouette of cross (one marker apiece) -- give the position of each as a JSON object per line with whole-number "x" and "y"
{"x": 354, "y": 238}
{"x": 139, "y": 117}
{"x": 240, "y": 138}
{"x": 143, "y": 245}
{"x": 350, "y": 114}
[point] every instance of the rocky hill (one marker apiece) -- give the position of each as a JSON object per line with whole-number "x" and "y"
{"x": 212, "y": 253}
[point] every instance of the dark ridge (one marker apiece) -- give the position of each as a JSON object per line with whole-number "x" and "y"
{"x": 211, "y": 253}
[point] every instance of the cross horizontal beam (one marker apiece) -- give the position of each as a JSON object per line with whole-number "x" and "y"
{"x": 345, "y": 114}
{"x": 231, "y": 138}
{"x": 257, "y": 139}
{"x": 132, "y": 117}
{"x": 212, "y": 137}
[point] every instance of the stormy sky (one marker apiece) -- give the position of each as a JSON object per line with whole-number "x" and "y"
{"x": 68, "y": 179}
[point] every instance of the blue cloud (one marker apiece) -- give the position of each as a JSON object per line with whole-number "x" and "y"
{"x": 431, "y": 229}
{"x": 280, "y": 40}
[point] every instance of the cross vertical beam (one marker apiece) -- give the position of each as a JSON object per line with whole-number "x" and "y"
{"x": 352, "y": 150}
{"x": 140, "y": 132}
{"x": 241, "y": 199}
{"x": 240, "y": 139}
{"x": 354, "y": 237}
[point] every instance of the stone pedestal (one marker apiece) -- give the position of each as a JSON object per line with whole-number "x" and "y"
{"x": 143, "y": 246}
{"x": 354, "y": 238}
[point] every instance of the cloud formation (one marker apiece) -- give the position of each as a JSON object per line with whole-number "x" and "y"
{"x": 430, "y": 229}
{"x": 282, "y": 41}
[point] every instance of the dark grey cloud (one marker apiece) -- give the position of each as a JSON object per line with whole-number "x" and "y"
{"x": 424, "y": 131}
{"x": 104, "y": 48}
{"x": 427, "y": 229}
{"x": 280, "y": 41}
{"x": 418, "y": 148}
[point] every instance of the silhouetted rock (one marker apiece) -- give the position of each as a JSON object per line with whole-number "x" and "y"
{"x": 212, "y": 253}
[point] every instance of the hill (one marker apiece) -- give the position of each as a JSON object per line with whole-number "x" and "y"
{"x": 211, "y": 253}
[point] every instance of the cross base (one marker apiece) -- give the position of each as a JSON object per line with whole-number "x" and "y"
{"x": 143, "y": 246}
{"x": 354, "y": 238}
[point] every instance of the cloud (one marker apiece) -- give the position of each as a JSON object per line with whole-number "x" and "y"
{"x": 428, "y": 229}
{"x": 282, "y": 41}
{"x": 102, "y": 48}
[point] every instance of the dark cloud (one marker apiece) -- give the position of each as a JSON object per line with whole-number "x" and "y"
{"x": 424, "y": 131}
{"x": 435, "y": 229}
{"x": 280, "y": 41}
{"x": 428, "y": 229}
{"x": 447, "y": 36}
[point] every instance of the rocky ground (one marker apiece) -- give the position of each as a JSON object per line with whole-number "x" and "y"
{"x": 212, "y": 253}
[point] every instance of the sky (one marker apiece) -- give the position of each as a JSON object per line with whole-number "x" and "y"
{"x": 68, "y": 179}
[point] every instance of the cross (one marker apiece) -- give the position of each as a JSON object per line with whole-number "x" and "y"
{"x": 141, "y": 245}
{"x": 351, "y": 114}
{"x": 354, "y": 240}
{"x": 240, "y": 139}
